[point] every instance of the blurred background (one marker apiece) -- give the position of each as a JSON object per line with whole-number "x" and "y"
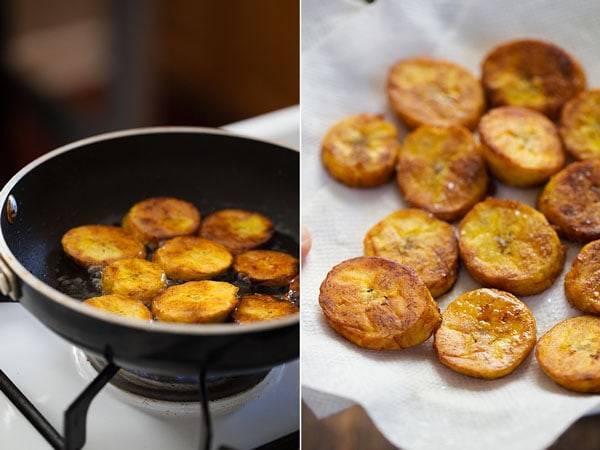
{"x": 70, "y": 69}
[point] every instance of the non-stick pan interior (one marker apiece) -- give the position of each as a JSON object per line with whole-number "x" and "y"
{"x": 97, "y": 183}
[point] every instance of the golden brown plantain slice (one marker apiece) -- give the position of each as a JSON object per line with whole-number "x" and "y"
{"x": 236, "y": 229}
{"x": 485, "y": 333}
{"x": 434, "y": 92}
{"x": 417, "y": 239}
{"x": 134, "y": 278}
{"x": 570, "y": 353}
{"x": 155, "y": 219}
{"x": 521, "y": 146}
{"x": 533, "y": 74}
{"x": 196, "y": 302}
{"x": 266, "y": 267}
{"x": 582, "y": 283}
{"x": 441, "y": 170}
{"x": 379, "y": 304}
{"x": 123, "y": 306}
{"x": 100, "y": 245}
{"x": 259, "y": 307}
{"x": 580, "y": 125}
{"x": 508, "y": 245}
{"x": 361, "y": 150}
{"x": 192, "y": 258}
{"x": 571, "y": 201}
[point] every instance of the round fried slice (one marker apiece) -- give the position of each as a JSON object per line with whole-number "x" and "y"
{"x": 267, "y": 267}
{"x": 236, "y": 229}
{"x": 435, "y": 92}
{"x": 570, "y": 353}
{"x": 189, "y": 258}
{"x": 440, "y": 170}
{"x": 571, "y": 201}
{"x": 417, "y": 239}
{"x": 361, "y": 150}
{"x": 100, "y": 245}
{"x": 485, "y": 333}
{"x": 533, "y": 74}
{"x": 155, "y": 219}
{"x": 134, "y": 278}
{"x": 521, "y": 146}
{"x": 510, "y": 246}
{"x": 259, "y": 307}
{"x": 378, "y": 304}
{"x": 196, "y": 302}
{"x": 580, "y": 125}
{"x": 582, "y": 283}
{"x": 123, "y": 306}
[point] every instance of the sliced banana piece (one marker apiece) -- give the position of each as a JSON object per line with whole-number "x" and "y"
{"x": 236, "y": 229}
{"x": 570, "y": 353}
{"x": 259, "y": 308}
{"x": 417, "y": 239}
{"x": 378, "y": 304}
{"x": 434, "y": 92}
{"x": 361, "y": 150}
{"x": 441, "y": 170}
{"x": 134, "y": 278}
{"x": 156, "y": 219}
{"x": 582, "y": 283}
{"x": 196, "y": 302}
{"x": 533, "y": 74}
{"x": 510, "y": 246}
{"x": 580, "y": 125}
{"x": 189, "y": 258}
{"x": 522, "y": 147}
{"x": 123, "y": 306}
{"x": 485, "y": 333}
{"x": 571, "y": 201}
{"x": 100, "y": 245}
{"x": 266, "y": 267}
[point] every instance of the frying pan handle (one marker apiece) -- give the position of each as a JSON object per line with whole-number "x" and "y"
{"x": 9, "y": 283}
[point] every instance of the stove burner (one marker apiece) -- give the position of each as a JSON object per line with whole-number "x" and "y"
{"x": 181, "y": 389}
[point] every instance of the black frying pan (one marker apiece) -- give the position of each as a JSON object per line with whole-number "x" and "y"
{"x": 96, "y": 180}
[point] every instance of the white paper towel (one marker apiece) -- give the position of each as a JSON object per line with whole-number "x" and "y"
{"x": 416, "y": 402}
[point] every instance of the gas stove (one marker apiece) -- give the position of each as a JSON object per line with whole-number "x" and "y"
{"x": 138, "y": 409}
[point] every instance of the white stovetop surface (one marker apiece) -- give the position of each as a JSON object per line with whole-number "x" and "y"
{"x": 42, "y": 365}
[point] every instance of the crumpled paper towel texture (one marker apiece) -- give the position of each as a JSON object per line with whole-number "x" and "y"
{"x": 415, "y": 401}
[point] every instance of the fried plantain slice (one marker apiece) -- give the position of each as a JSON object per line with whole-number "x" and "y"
{"x": 189, "y": 258}
{"x": 123, "y": 306}
{"x": 570, "y": 353}
{"x": 134, "y": 278}
{"x": 236, "y": 229}
{"x": 533, "y": 74}
{"x": 571, "y": 201}
{"x": 582, "y": 283}
{"x": 434, "y": 92}
{"x": 485, "y": 333}
{"x": 267, "y": 267}
{"x": 259, "y": 307}
{"x": 196, "y": 302}
{"x": 379, "y": 304}
{"x": 521, "y": 146}
{"x": 155, "y": 219}
{"x": 417, "y": 239}
{"x": 580, "y": 125}
{"x": 510, "y": 246}
{"x": 440, "y": 170}
{"x": 361, "y": 150}
{"x": 100, "y": 245}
